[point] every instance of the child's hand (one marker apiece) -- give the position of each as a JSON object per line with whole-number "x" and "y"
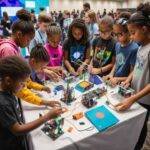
{"x": 54, "y": 76}
{"x": 95, "y": 71}
{"x": 53, "y": 104}
{"x": 59, "y": 70}
{"x": 80, "y": 70}
{"x": 72, "y": 71}
{"x": 114, "y": 81}
{"x": 47, "y": 89}
{"x": 125, "y": 84}
{"x": 125, "y": 104}
{"x": 54, "y": 112}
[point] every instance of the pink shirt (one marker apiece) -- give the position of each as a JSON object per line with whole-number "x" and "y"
{"x": 8, "y": 48}
{"x": 56, "y": 55}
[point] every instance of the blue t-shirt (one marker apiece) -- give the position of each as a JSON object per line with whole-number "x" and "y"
{"x": 125, "y": 58}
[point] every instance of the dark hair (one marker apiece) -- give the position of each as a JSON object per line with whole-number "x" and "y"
{"x": 125, "y": 15}
{"x": 39, "y": 53}
{"x": 44, "y": 18}
{"x": 86, "y": 5}
{"x": 5, "y": 16}
{"x": 78, "y": 23}
{"x": 14, "y": 67}
{"x": 142, "y": 16}
{"x": 123, "y": 20}
{"x": 24, "y": 23}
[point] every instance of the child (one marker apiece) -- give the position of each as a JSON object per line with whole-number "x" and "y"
{"x": 53, "y": 46}
{"x": 39, "y": 58}
{"x": 139, "y": 28}
{"x": 91, "y": 21}
{"x": 104, "y": 48}
{"x": 22, "y": 34}
{"x": 125, "y": 53}
{"x": 40, "y": 34}
{"x": 67, "y": 21}
{"x": 13, "y": 130}
{"x": 76, "y": 47}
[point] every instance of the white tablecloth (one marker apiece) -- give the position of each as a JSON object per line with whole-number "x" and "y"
{"x": 122, "y": 136}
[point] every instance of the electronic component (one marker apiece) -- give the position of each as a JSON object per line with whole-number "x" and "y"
{"x": 84, "y": 86}
{"x": 70, "y": 78}
{"x": 78, "y": 116}
{"x": 89, "y": 99}
{"x": 53, "y": 128}
{"x": 58, "y": 88}
{"x": 126, "y": 92}
{"x": 95, "y": 79}
{"x": 68, "y": 95}
{"x": 89, "y": 102}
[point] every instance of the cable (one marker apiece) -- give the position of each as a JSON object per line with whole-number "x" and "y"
{"x": 87, "y": 129}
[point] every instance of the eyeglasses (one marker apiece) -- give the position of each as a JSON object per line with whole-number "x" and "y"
{"x": 118, "y": 34}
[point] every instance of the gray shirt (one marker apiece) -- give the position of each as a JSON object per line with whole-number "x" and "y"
{"x": 40, "y": 37}
{"x": 141, "y": 74}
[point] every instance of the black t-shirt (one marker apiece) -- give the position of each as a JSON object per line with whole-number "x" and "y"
{"x": 76, "y": 51}
{"x": 105, "y": 50}
{"x": 6, "y": 26}
{"x": 10, "y": 113}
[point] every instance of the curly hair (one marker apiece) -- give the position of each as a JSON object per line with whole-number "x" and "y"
{"x": 79, "y": 23}
{"x": 14, "y": 67}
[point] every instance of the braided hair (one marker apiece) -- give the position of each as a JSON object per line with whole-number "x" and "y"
{"x": 53, "y": 29}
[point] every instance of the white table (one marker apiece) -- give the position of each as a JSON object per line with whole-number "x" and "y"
{"x": 122, "y": 136}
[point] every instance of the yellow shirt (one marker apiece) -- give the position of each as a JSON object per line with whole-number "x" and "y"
{"x": 27, "y": 95}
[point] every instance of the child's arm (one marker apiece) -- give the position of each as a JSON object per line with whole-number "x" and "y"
{"x": 28, "y": 96}
{"x": 127, "y": 82}
{"x": 86, "y": 61}
{"x": 56, "y": 69}
{"x": 18, "y": 129}
{"x": 67, "y": 63}
{"x": 37, "y": 86}
{"x": 129, "y": 101}
{"x": 51, "y": 74}
{"x": 103, "y": 69}
{"x": 111, "y": 74}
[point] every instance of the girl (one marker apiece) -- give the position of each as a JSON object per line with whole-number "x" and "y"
{"x": 22, "y": 34}
{"x": 104, "y": 48}
{"x": 53, "y": 46}
{"x": 91, "y": 21}
{"x": 76, "y": 47}
{"x": 39, "y": 58}
{"x": 125, "y": 53}
{"x": 139, "y": 28}
{"x": 13, "y": 130}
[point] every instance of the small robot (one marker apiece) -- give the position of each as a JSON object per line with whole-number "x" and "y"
{"x": 89, "y": 99}
{"x": 88, "y": 102}
{"x": 125, "y": 92}
{"x": 53, "y": 128}
{"x": 68, "y": 95}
